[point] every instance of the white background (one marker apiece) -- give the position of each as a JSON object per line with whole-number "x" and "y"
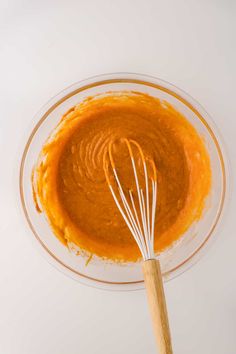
{"x": 46, "y": 45}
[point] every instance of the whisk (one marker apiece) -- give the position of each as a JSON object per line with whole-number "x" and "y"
{"x": 140, "y": 219}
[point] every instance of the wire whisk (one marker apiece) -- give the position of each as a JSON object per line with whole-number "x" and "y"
{"x": 139, "y": 216}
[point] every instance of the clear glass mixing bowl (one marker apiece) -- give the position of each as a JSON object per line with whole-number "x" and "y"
{"x": 184, "y": 253}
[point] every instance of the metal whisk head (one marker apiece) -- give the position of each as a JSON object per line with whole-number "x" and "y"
{"x": 139, "y": 216}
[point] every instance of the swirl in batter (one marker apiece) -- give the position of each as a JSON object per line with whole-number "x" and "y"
{"x": 71, "y": 187}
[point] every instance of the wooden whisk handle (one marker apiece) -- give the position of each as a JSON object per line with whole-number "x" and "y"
{"x": 157, "y": 304}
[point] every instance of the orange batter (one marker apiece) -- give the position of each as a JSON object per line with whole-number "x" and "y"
{"x": 70, "y": 183}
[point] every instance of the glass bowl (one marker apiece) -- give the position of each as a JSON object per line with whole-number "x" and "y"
{"x": 184, "y": 253}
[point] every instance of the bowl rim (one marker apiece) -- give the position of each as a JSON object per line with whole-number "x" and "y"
{"x": 187, "y": 100}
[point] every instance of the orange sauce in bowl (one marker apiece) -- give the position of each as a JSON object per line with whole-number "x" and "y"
{"x": 70, "y": 184}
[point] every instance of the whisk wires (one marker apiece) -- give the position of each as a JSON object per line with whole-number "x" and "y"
{"x": 139, "y": 218}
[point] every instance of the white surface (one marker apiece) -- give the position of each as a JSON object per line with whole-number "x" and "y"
{"x": 44, "y": 47}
